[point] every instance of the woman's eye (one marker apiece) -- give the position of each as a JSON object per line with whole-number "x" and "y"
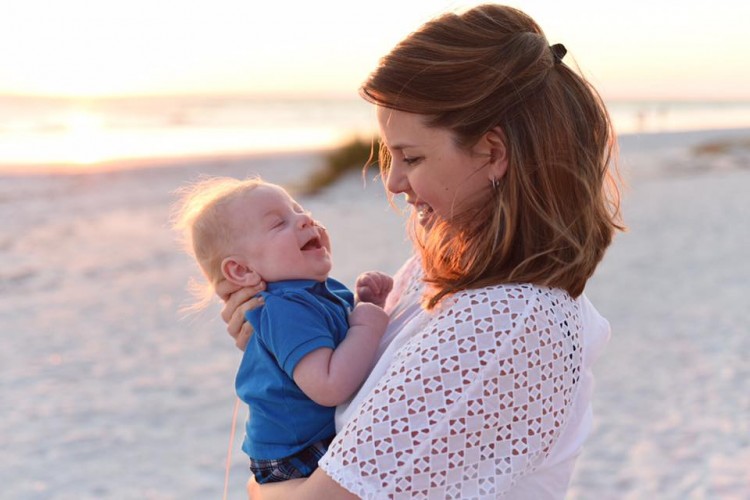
{"x": 412, "y": 160}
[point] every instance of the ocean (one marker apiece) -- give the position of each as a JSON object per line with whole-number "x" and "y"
{"x": 38, "y": 133}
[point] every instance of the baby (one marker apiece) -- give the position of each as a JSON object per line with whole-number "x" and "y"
{"x": 312, "y": 346}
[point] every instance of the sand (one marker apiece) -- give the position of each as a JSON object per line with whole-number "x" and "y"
{"x": 109, "y": 392}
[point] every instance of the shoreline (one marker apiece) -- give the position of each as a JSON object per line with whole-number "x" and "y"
{"x": 153, "y": 162}
{"x": 628, "y": 143}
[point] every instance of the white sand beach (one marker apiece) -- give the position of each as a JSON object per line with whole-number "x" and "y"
{"x": 109, "y": 392}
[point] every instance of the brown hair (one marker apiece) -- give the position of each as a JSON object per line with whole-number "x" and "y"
{"x": 556, "y": 209}
{"x": 201, "y": 216}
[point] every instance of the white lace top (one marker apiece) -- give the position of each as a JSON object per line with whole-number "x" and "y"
{"x": 486, "y": 396}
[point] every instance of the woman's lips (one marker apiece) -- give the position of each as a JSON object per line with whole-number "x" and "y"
{"x": 424, "y": 212}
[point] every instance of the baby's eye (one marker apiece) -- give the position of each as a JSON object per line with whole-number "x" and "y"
{"x": 277, "y": 223}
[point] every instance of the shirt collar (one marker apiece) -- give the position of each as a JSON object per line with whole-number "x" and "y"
{"x": 294, "y": 284}
{"x": 321, "y": 288}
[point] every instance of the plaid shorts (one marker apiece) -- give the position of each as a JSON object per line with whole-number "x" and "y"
{"x": 301, "y": 464}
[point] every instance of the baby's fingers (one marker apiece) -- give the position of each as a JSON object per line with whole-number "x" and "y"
{"x": 363, "y": 292}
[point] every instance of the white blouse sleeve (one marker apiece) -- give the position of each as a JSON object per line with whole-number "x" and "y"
{"x": 470, "y": 404}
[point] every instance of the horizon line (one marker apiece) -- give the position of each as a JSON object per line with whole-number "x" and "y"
{"x": 333, "y": 95}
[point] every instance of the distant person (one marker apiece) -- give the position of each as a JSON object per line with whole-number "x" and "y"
{"x": 313, "y": 345}
{"x": 483, "y": 383}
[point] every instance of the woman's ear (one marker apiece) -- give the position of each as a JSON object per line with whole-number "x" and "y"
{"x": 495, "y": 143}
{"x": 236, "y": 271}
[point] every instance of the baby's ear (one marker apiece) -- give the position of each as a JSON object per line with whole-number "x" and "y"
{"x": 236, "y": 271}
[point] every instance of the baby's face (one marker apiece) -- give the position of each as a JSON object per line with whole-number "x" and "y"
{"x": 278, "y": 238}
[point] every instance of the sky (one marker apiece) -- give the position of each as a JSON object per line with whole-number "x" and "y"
{"x": 629, "y": 49}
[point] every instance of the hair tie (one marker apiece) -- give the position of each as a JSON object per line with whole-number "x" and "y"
{"x": 558, "y": 52}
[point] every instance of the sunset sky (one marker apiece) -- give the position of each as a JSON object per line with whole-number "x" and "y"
{"x": 630, "y": 49}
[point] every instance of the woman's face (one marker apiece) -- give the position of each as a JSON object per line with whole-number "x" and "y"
{"x": 438, "y": 178}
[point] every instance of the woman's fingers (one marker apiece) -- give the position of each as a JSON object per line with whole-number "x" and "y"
{"x": 233, "y": 313}
{"x": 244, "y": 337}
{"x": 253, "y": 489}
{"x": 225, "y": 288}
{"x": 237, "y": 298}
{"x": 233, "y": 302}
{"x": 237, "y": 327}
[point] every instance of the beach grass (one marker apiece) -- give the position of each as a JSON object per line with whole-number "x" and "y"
{"x": 356, "y": 154}
{"x": 720, "y": 147}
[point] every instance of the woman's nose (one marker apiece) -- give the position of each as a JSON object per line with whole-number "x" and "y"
{"x": 396, "y": 181}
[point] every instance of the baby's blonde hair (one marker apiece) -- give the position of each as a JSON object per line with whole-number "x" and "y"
{"x": 201, "y": 218}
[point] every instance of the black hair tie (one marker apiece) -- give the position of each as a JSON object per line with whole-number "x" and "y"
{"x": 558, "y": 52}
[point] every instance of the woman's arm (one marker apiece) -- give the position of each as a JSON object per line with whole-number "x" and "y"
{"x": 318, "y": 485}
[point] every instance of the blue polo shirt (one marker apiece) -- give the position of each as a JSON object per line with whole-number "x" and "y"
{"x": 298, "y": 317}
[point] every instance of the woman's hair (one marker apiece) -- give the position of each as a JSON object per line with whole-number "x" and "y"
{"x": 202, "y": 217}
{"x": 554, "y": 212}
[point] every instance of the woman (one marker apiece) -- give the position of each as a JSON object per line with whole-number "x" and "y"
{"x": 483, "y": 383}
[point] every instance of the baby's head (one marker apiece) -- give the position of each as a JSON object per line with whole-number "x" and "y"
{"x": 246, "y": 231}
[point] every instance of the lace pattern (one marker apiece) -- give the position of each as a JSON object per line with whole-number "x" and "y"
{"x": 472, "y": 402}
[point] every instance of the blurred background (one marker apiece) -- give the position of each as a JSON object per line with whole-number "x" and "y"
{"x": 108, "y": 106}
{"x": 85, "y": 82}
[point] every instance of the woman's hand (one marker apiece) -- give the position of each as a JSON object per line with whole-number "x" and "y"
{"x": 253, "y": 489}
{"x": 271, "y": 491}
{"x": 319, "y": 485}
{"x": 237, "y": 301}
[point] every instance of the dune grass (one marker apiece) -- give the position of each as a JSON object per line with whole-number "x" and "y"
{"x": 720, "y": 147}
{"x": 356, "y": 154}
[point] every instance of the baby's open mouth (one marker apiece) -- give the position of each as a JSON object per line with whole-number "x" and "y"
{"x": 313, "y": 244}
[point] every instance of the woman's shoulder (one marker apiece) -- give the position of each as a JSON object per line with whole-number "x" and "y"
{"x": 509, "y": 310}
{"x": 508, "y": 298}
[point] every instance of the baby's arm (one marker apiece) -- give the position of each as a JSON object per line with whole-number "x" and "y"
{"x": 373, "y": 286}
{"x": 329, "y": 377}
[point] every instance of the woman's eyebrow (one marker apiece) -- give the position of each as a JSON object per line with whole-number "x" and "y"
{"x": 399, "y": 147}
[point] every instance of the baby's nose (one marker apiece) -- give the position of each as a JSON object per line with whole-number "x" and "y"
{"x": 305, "y": 219}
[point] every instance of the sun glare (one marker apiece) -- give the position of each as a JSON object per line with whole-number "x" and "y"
{"x": 84, "y": 48}
{"x": 83, "y": 138}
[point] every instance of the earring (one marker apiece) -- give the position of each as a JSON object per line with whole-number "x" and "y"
{"x": 495, "y": 183}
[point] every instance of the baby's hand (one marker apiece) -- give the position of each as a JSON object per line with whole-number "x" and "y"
{"x": 370, "y": 316}
{"x": 373, "y": 287}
